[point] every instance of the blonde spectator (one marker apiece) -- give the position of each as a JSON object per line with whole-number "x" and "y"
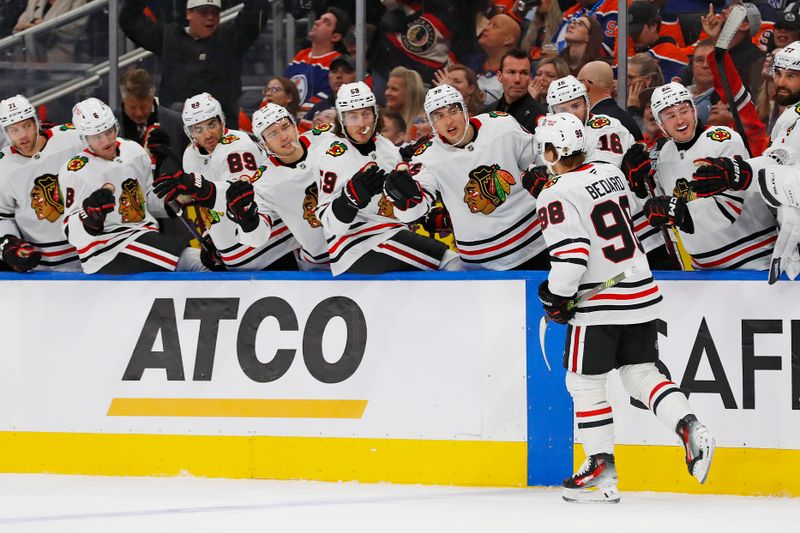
{"x": 405, "y": 94}
{"x": 548, "y": 69}
{"x": 465, "y": 81}
{"x": 643, "y": 72}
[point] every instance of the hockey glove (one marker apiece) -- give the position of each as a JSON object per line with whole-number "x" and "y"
{"x": 668, "y": 210}
{"x": 557, "y": 307}
{"x": 95, "y": 208}
{"x": 241, "y": 204}
{"x": 19, "y": 254}
{"x": 437, "y": 221}
{"x": 636, "y": 166}
{"x": 534, "y": 179}
{"x": 158, "y": 142}
{"x": 211, "y": 259}
{"x": 170, "y": 186}
{"x": 402, "y": 189}
{"x": 365, "y": 184}
{"x": 407, "y": 151}
{"x": 716, "y": 174}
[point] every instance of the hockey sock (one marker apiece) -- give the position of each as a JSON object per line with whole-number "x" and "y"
{"x": 645, "y": 383}
{"x": 592, "y": 412}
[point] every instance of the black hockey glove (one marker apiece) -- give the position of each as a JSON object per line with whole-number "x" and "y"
{"x": 211, "y": 259}
{"x": 668, "y": 210}
{"x": 408, "y": 151}
{"x": 170, "y": 186}
{"x": 158, "y": 142}
{"x": 402, "y": 189}
{"x": 95, "y": 208}
{"x": 716, "y": 174}
{"x": 437, "y": 221}
{"x": 365, "y": 184}
{"x": 19, "y": 254}
{"x": 636, "y": 166}
{"x": 534, "y": 180}
{"x": 556, "y": 307}
{"x": 241, "y": 205}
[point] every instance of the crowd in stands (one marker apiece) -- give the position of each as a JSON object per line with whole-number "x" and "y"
{"x": 502, "y": 57}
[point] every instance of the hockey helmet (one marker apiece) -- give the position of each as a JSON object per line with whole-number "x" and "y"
{"x": 563, "y": 131}
{"x": 667, "y": 96}
{"x": 199, "y": 108}
{"x": 788, "y": 57}
{"x": 352, "y": 96}
{"x": 92, "y": 116}
{"x": 268, "y": 115}
{"x": 16, "y": 109}
{"x": 566, "y": 89}
{"x": 442, "y": 96}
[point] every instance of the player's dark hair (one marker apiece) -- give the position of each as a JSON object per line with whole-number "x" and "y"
{"x": 516, "y": 53}
{"x": 572, "y": 161}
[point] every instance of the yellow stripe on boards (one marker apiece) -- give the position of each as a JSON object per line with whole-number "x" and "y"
{"x": 742, "y": 471}
{"x": 432, "y": 462}
{"x": 236, "y": 408}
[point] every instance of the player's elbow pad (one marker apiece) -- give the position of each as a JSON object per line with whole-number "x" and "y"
{"x": 343, "y": 210}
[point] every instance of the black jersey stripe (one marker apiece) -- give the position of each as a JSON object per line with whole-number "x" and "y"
{"x": 500, "y": 235}
{"x": 621, "y": 307}
{"x": 536, "y": 234}
{"x": 730, "y": 246}
{"x": 260, "y": 252}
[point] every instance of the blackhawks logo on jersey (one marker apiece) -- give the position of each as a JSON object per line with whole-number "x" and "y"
{"x": 552, "y": 181}
{"x": 682, "y": 190}
{"x": 319, "y": 129}
{"x": 719, "y": 135}
{"x": 77, "y": 163}
{"x": 487, "y": 188}
{"x": 337, "y": 149}
{"x": 228, "y": 139}
{"x": 46, "y": 199}
{"x": 495, "y": 114}
{"x": 422, "y": 147}
{"x": 258, "y": 173}
{"x": 599, "y": 122}
{"x": 66, "y": 126}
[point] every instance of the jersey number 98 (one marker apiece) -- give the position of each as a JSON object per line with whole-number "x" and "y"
{"x": 613, "y": 221}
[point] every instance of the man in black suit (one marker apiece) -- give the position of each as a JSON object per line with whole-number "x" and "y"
{"x": 515, "y": 75}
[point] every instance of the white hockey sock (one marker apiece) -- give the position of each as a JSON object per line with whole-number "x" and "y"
{"x": 645, "y": 383}
{"x": 592, "y": 412}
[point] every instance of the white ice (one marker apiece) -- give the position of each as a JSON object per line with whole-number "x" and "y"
{"x": 48, "y": 503}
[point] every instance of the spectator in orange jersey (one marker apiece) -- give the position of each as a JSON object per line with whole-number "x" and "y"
{"x": 644, "y": 27}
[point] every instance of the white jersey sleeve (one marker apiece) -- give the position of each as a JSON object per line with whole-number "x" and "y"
{"x": 607, "y": 140}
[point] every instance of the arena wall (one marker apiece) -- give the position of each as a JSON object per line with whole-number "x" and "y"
{"x": 407, "y": 378}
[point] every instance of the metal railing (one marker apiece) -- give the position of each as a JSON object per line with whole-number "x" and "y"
{"x": 66, "y": 18}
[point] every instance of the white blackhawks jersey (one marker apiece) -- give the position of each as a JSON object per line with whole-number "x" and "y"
{"x": 237, "y": 157}
{"x": 129, "y": 177}
{"x": 586, "y": 221}
{"x": 334, "y": 161}
{"x": 608, "y": 140}
{"x": 733, "y": 229}
{"x": 31, "y": 200}
{"x": 493, "y": 216}
{"x": 292, "y": 193}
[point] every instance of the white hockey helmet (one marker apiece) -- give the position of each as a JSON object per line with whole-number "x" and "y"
{"x": 93, "y": 116}
{"x": 353, "y": 96}
{"x": 563, "y": 131}
{"x": 667, "y": 96}
{"x": 268, "y": 115}
{"x": 442, "y": 96}
{"x": 198, "y": 108}
{"x": 566, "y": 89}
{"x": 787, "y": 57}
{"x": 16, "y": 109}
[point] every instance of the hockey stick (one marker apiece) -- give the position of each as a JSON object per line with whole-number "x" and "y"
{"x": 575, "y": 302}
{"x": 202, "y": 238}
{"x": 669, "y": 238}
{"x": 735, "y": 19}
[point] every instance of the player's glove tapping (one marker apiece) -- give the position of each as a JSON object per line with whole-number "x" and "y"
{"x": 358, "y": 192}
{"x": 668, "y": 210}
{"x": 437, "y": 221}
{"x": 170, "y": 186}
{"x": 241, "y": 205}
{"x": 556, "y": 307}
{"x": 534, "y": 179}
{"x": 402, "y": 189}
{"x": 95, "y": 208}
{"x": 636, "y": 166}
{"x": 716, "y": 174}
{"x": 19, "y": 254}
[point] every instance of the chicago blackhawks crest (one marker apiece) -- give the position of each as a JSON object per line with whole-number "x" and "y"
{"x": 319, "y": 129}
{"x": 77, "y": 163}
{"x": 228, "y": 139}
{"x": 422, "y": 147}
{"x": 598, "y": 122}
{"x": 487, "y": 188}
{"x": 336, "y": 149}
{"x": 495, "y": 114}
{"x": 719, "y": 135}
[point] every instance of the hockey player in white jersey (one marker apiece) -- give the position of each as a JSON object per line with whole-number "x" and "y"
{"x": 288, "y": 186}
{"x": 606, "y": 140}
{"x": 776, "y": 174}
{"x": 226, "y": 163}
{"x": 31, "y": 201}
{"x": 585, "y": 215}
{"x": 350, "y": 169}
{"x": 732, "y": 230}
{"x": 475, "y": 165}
{"x": 109, "y": 209}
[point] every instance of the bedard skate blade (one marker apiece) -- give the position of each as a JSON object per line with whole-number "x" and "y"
{"x": 607, "y": 494}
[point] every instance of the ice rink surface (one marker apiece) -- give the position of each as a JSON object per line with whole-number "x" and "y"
{"x": 47, "y": 503}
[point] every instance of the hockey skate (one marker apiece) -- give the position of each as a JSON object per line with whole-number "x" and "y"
{"x": 699, "y": 445}
{"x": 596, "y": 481}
